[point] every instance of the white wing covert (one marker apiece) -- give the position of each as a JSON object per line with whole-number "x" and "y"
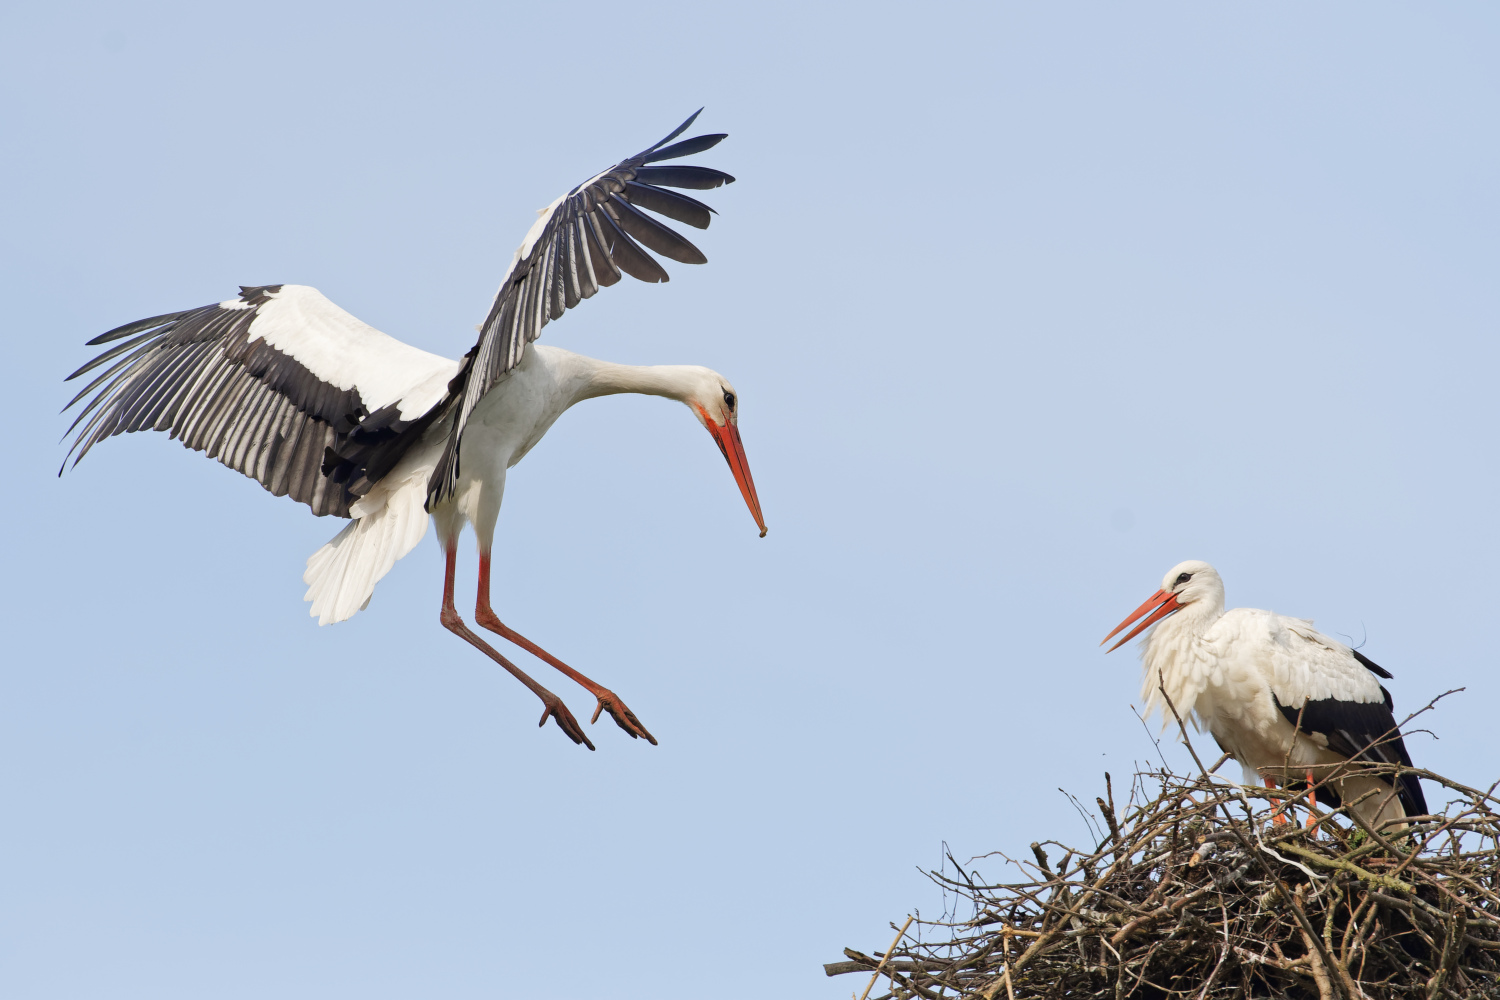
{"x": 1308, "y": 665}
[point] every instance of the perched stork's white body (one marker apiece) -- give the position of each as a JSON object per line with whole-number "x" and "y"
{"x": 1289, "y": 703}
{"x": 284, "y": 386}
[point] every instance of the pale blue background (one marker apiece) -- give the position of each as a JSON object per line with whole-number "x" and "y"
{"x": 1026, "y": 303}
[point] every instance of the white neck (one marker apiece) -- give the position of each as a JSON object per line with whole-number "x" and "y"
{"x": 605, "y": 378}
{"x": 1168, "y": 659}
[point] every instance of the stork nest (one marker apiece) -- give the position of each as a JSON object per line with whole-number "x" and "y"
{"x": 1194, "y": 889}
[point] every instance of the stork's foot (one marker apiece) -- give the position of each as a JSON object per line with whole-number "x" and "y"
{"x": 621, "y": 713}
{"x": 1276, "y": 816}
{"x": 565, "y": 721}
{"x": 608, "y": 700}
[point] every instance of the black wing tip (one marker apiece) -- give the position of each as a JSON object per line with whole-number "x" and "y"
{"x": 250, "y": 294}
{"x": 691, "y": 177}
{"x": 1412, "y": 798}
{"x": 1371, "y": 665}
{"x": 675, "y": 132}
{"x": 126, "y": 329}
{"x": 687, "y": 147}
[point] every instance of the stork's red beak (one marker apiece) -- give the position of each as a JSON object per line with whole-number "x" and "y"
{"x": 1163, "y": 603}
{"x": 728, "y": 438}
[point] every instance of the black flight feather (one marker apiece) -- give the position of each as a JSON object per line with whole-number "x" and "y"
{"x": 686, "y": 147}
{"x": 669, "y": 203}
{"x": 1361, "y": 731}
{"x": 681, "y": 176}
{"x": 1371, "y": 665}
{"x": 652, "y": 233}
{"x": 129, "y": 328}
{"x": 624, "y": 251}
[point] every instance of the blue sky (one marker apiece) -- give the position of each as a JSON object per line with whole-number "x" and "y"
{"x": 1025, "y": 304}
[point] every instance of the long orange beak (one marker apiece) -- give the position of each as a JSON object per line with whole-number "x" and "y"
{"x": 1163, "y": 603}
{"x": 728, "y": 439}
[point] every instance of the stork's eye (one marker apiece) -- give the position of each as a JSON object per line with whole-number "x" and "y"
{"x": 1183, "y": 578}
{"x": 729, "y": 400}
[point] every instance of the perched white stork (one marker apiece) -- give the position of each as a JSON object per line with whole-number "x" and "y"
{"x": 284, "y": 386}
{"x": 1278, "y": 695}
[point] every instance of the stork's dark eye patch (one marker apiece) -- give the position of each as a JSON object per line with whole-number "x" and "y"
{"x": 729, "y": 400}
{"x": 1183, "y": 578}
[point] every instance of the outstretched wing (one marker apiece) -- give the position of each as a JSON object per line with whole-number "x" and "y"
{"x": 582, "y": 242}
{"x": 279, "y": 384}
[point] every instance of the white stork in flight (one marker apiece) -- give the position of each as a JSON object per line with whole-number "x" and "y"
{"x": 1275, "y": 693}
{"x": 284, "y": 386}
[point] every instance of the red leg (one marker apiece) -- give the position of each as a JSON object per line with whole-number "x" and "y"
{"x": 554, "y": 706}
{"x": 1312, "y": 802}
{"x": 608, "y": 700}
{"x": 1276, "y": 817}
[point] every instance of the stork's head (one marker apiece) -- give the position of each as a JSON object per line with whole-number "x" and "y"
{"x": 1193, "y": 581}
{"x": 717, "y": 406}
{"x": 1193, "y": 585}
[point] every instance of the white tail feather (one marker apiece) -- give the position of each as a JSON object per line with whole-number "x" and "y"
{"x": 341, "y": 576}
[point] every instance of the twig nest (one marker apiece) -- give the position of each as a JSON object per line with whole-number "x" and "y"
{"x": 1190, "y": 893}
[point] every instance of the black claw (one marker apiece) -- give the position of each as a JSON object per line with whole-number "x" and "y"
{"x": 572, "y": 732}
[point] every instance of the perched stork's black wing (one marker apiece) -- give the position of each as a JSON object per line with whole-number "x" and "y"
{"x": 583, "y": 242}
{"x": 1360, "y": 731}
{"x": 279, "y": 384}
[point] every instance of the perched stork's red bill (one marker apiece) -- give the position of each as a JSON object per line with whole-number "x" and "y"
{"x": 1162, "y": 602}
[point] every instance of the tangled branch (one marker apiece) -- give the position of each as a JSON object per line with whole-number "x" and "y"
{"x": 1196, "y": 891}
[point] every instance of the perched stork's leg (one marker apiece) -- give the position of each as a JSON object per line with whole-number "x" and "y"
{"x": 608, "y": 700}
{"x": 1276, "y": 817}
{"x": 453, "y": 623}
{"x": 1312, "y": 801}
